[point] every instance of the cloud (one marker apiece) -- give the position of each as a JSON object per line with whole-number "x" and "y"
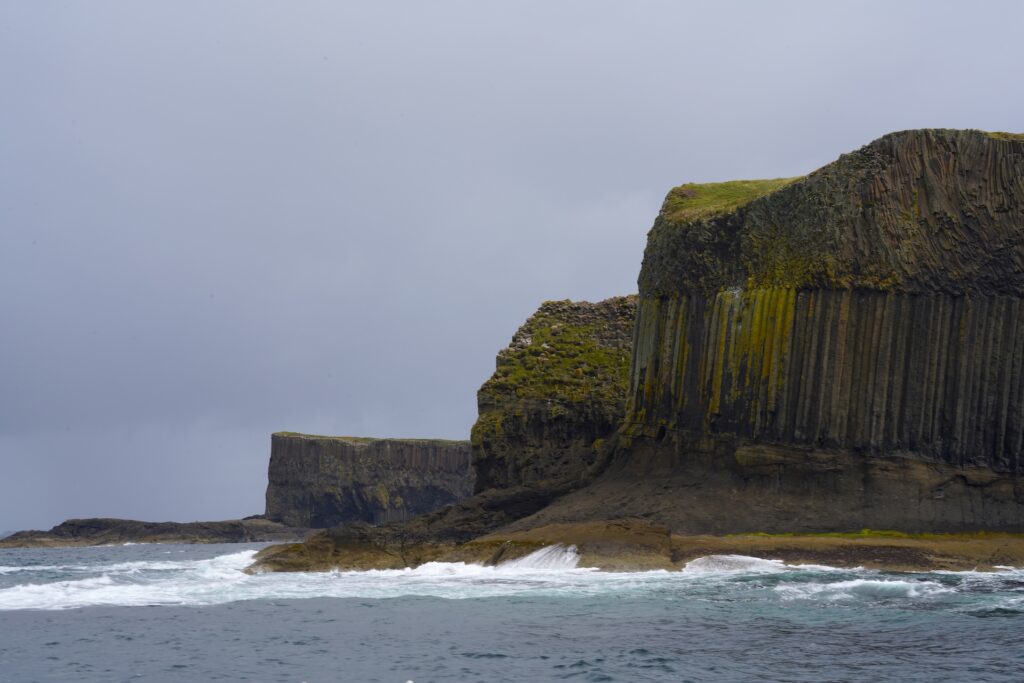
{"x": 221, "y": 220}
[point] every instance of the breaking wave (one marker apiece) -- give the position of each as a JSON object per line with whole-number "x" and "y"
{"x": 550, "y": 571}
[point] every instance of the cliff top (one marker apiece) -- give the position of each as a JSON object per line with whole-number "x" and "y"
{"x": 365, "y": 440}
{"x": 693, "y": 201}
{"x": 915, "y": 211}
{"x": 568, "y": 351}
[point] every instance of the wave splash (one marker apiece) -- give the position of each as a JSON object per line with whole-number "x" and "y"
{"x": 549, "y": 571}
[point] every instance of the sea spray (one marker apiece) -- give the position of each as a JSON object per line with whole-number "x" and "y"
{"x": 555, "y": 557}
{"x": 52, "y": 580}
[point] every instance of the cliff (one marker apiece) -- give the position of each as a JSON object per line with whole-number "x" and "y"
{"x": 841, "y": 350}
{"x": 812, "y": 357}
{"x": 557, "y": 394}
{"x": 321, "y": 481}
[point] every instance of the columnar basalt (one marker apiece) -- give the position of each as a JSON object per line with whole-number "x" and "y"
{"x": 836, "y": 353}
{"x": 320, "y": 481}
{"x": 558, "y": 393}
{"x": 871, "y": 311}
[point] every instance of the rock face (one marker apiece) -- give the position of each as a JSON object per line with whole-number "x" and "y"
{"x": 849, "y": 344}
{"x": 105, "y": 531}
{"x": 823, "y": 354}
{"x": 320, "y": 481}
{"x": 559, "y": 391}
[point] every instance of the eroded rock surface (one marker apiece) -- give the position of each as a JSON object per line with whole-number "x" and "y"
{"x": 557, "y": 395}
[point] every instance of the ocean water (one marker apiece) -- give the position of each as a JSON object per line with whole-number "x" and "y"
{"x": 188, "y": 613}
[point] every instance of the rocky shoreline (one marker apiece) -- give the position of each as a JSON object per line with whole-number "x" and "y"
{"x": 106, "y": 531}
{"x": 636, "y": 545}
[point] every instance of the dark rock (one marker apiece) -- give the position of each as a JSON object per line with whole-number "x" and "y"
{"x": 866, "y": 321}
{"x": 822, "y": 354}
{"x": 104, "y": 531}
{"x": 322, "y": 481}
{"x": 558, "y": 393}
{"x": 426, "y": 538}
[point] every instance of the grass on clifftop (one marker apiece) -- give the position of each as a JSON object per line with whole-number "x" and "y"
{"x": 366, "y": 439}
{"x": 1000, "y": 135}
{"x": 695, "y": 200}
{"x": 881, "y": 533}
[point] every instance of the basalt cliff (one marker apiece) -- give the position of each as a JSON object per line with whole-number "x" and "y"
{"x": 810, "y": 355}
{"x": 322, "y": 481}
{"x": 834, "y": 352}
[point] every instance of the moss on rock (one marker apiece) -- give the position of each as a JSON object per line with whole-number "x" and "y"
{"x": 558, "y": 388}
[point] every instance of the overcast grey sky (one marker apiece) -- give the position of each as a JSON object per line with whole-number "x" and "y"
{"x": 222, "y": 219}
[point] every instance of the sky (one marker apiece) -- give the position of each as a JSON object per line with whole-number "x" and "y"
{"x": 224, "y": 219}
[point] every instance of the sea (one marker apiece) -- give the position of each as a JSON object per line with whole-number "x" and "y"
{"x": 189, "y": 613}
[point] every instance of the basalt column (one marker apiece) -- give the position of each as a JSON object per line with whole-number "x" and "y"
{"x": 868, "y": 316}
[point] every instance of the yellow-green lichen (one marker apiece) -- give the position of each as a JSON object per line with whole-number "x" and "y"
{"x": 562, "y": 362}
{"x": 1001, "y": 135}
{"x": 886, "y": 533}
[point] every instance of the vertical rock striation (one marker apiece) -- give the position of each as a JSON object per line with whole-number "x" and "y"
{"x": 559, "y": 391}
{"x": 871, "y": 311}
{"x": 321, "y": 481}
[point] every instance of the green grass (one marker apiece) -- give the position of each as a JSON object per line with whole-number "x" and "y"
{"x": 367, "y": 439}
{"x": 1000, "y": 135}
{"x": 563, "y": 361}
{"x": 695, "y": 200}
{"x": 878, "y": 533}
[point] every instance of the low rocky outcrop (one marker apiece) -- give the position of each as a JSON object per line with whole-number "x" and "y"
{"x": 426, "y": 538}
{"x": 557, "y": 395}
{"x": 322, "y": 481}
{"x": 105, "y": 531}
{"x": 633, "y": 544}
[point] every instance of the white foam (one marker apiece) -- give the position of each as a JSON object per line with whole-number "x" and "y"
{"x": 873, "y": 589}
{"x": 29, "y": 568}
{"x": 554, "y": 557}
{"x": 732, "y": 564}
{"x": 553, "y": 570}
{"x": 194, "y": 582}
